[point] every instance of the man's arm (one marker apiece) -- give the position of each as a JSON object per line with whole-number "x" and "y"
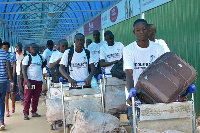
{"x": 106, "y": 64}
{"x": 88, "y": 79}
{"x": 129, "y": 79}
{"x": 14, "y": 68}
{"x": 9, "y": 74}
{"x": 24, "y": 71}
{"x": 52, "y": 65}
{"x": 64, "y": 73}
{"x": 9, "y": 71}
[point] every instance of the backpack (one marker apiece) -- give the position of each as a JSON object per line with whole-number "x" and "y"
{"x": 44, "y": 63}
{"x": 117, "y": 70}
{"x": 70, "y": 55}
{"x": 21, "y": 75}
{"x": 55, "y": 73}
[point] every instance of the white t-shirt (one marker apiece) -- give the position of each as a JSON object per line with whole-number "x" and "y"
{"x": 79, "y": 65}
{"x": 18, "y": 62}
{"x": 34, "y": 71}
{"x": 163, "y": 44}
{"x": 47, "y": 55}
{"x": 94, "y": 49}
{"x": 111, "y": 53}
{"x": 55, "y": 56}
{"x": 138, "y": 59}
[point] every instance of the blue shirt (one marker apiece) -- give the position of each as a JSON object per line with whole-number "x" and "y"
{"x": 12, "y": 58}
{"x": 3, "y": 70}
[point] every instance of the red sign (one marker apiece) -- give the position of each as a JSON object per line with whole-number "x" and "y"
{"x": 113, "y": 14}
{"x": 95, "y": 24}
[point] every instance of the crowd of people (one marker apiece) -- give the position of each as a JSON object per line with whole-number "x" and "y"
{"x": 81, "y": 63}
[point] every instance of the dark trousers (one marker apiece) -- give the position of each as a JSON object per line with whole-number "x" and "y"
{"x": 2, "y": 100}
{"x": 31, "y": 96}
{"x": 20, "y": 80}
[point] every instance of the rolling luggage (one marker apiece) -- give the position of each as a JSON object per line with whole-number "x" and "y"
{"x": 165, "y": 79}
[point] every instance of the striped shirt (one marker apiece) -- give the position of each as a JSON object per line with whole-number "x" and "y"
{"x": 12, "y": 58}
{"x": 3, "y": 71}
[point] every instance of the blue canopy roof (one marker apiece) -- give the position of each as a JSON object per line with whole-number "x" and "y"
{"x": 53, "y": 19}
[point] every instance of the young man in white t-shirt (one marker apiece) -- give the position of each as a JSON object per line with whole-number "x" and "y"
{"x": 78, "y": 70}
{"x": 152, "y": 33}
{"x": 32, "y": 73}
{"x": 47, "y": 53}
{"x": 111, "y": 52}
{"x": 139, "y": 54}
{"x": 56, "y": 58}
{"x": 88, "y": 42}
{"x": 20, "y": 56}
{"x": 94, "y": 49}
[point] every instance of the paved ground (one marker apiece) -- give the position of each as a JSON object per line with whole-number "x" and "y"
{"x": 16, "y": 124}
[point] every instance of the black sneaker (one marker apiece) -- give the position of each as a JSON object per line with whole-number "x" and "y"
{"x": 26, "y": 117}
{"x": 35, "y": 115}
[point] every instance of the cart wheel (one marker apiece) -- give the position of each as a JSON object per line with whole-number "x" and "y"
{"x": 67, "y": 129}
{"x": 51, "y": 127}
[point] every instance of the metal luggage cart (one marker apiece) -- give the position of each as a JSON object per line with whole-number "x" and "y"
{"x": 52, "y": 89}
{"x": 177, "y": 116}
{"x": 85, "y": 98}
{"x": 110, "y": 83}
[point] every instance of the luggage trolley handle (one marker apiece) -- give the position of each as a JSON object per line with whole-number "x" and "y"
{"x": 132, "y": 95}
{"x": 191, "y": 89}
{"x": 100, "y": 77}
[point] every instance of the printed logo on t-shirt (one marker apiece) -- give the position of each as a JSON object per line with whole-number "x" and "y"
{"x": 141, "y": 65}
{"x": 95, "y": 52}
{"x": 79, "y": 65}
{"x": 114, "y": 55}
{"x": 37, "y": 63}
{"x": 151, "y": 58}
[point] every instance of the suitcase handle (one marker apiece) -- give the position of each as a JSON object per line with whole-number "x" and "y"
{"x": 132, "y": 93}
{"x": 190, "y": 89}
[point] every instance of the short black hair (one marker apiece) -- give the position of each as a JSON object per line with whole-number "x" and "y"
{"x": 78, "y": 34}
{"x": 63, "y": 41}
{"x": 19, "y": 43}
{"x": 49, "y": 42}
{"x": 140, "y": 21}
{"x": 0, "y": 43}
{"x": 34, "y": 44}
{"x": 96, "y": 32}
{"x": 88, "y": 40}
{"x": 150, "y": 25}
{"x": 6, "y": 43}
{"x": 108, "y": 32}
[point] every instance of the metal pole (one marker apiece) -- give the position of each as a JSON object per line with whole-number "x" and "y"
{"x": 194, "y": 115}
{"x": 63, "y": 103}
{"x": 134, "y": 115}
{"x": 102, "y": 95}
{"x": 141, "y": 13}
{"x": 102, "y": 34}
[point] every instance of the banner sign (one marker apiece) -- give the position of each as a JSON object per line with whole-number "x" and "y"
{"x": 120, "y": 12}
{"x": 95, "y": 24}
{"x": 149, "y": 4}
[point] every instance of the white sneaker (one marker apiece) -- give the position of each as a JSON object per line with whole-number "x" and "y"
{"x": 2, "y": 127}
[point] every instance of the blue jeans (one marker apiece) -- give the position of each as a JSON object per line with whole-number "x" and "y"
{"x": 2, "y": 100}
